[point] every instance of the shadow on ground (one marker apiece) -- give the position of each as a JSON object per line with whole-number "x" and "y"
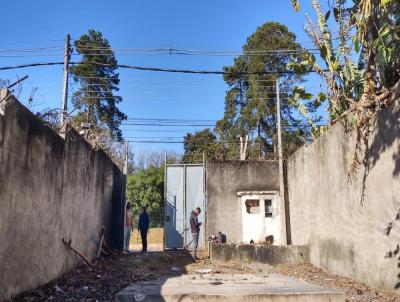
{"x": 109, "y": 276}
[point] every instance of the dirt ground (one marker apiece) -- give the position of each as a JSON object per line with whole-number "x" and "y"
{"x": 155, "y": 240}
{"x": 354, "y": 291}
{"x": 108, "y": 277}
{"x": 112, "y": 274}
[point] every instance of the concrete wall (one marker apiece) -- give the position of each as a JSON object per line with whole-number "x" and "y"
{"x": 223, "y": 181}
{"x": 50, "y": 189}
{"x": 344, "y": 222}
{"x": 269, "y": 254}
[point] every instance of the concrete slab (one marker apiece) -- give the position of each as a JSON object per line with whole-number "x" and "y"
{"x": 228, "y": 287}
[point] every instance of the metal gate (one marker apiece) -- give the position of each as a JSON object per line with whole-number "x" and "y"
{"x": 184, "y": 191}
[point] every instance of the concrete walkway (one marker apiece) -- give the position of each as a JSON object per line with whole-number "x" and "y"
{"x": 228, "y": 287}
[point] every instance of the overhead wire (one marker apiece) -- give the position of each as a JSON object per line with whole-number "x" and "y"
{"x": 36, "y": 49}
{"x": 181, "y": 142}
{"x": 194, "y": 52}
{"x": 156, "y": 69}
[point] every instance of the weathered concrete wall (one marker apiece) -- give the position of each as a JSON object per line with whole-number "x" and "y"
{"x": 344, "y": 222}
{"x": 50, "y": 189}
{"x": 223, "y": 181}
{"x": 269, "y": 254}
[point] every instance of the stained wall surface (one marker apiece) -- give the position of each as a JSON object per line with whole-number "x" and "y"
{"x": 51, "y": 189}
{"x": 343, "y": 220}
{"x": 223, "y": 181}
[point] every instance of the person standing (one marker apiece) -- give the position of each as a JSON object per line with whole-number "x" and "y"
{"x": 144, "y": 227}
{"x": 128, "y": 227}
{"x": 195, "y": 229}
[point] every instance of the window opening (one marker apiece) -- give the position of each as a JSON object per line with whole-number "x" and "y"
{"x": 268, "y": 207}
{"x": 253, "y": 206}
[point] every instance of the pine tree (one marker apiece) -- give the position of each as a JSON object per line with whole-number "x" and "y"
{"x": 250, "y": 103}
{"x": 98, "y": 80}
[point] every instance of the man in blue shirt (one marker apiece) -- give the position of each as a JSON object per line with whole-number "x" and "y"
{"x": 144, "y": 227}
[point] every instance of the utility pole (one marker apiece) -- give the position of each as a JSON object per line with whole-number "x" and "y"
{"x": 64, "y": 104}
{"x": 280, "y": 160}
{"x": 126, "y": 158}
{"x": 243, "y": 147}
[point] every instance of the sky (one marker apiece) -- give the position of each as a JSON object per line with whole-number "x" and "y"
{"x": 219, "y": 25}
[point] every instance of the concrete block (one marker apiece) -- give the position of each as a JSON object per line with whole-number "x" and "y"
{"x": 290, "y": 254}
{"x": 224, "y": 252}
{"x": 233, "y": 288}
{"x": 268, "y": 254}
{"x": 246, "y": 252}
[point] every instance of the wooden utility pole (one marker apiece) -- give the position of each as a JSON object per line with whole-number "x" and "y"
{"x": 64, "y": 104}
{"x": 280, "y": 160}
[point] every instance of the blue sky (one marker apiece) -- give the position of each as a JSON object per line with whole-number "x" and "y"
{"x": 205, "y": 25}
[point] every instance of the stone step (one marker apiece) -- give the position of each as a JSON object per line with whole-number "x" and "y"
{"x": 228, "y": 287}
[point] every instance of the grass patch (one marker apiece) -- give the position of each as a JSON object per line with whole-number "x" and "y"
{"x": 155, "y": 236}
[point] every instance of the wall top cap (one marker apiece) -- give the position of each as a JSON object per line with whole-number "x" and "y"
{"x": 241, "y": 193}
{"x": 4, "y": 95}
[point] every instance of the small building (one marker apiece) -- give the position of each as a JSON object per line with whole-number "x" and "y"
{"x": 243, "y": 201}
{"x": 240, "y": 199}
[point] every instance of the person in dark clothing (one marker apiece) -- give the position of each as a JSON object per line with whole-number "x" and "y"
{"x": 195, "y": 229}
{"x": 144, "y": 227}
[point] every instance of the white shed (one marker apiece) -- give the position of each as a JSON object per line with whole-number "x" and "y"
{"x": 261, "y": 216}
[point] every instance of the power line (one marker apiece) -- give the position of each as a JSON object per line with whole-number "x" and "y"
{"x": 167, "y": 119}
{"x": 195, "y": 125}
{"x": 165, "y": 49}
{"x": 158, "y": 131}
{"x": 180, "y": 86}
{"x": 26, "y": 56}
{"x": 37, "y": 49}
{"x": 167, "y": 125}
{"x": 184, "y": 131}
{"x": 155, "y": 80}
{"x": 31, "y": 65}
{"x": 170, "y": 99}
{"x": 205, "y": 143}
{"x": 189, "y": 71}
{"x": 180, "y": 51}
{"x": 174, "y": 80}
{"x": 155, "y": 69}
{"x": 170, "y": 120}
{"x": 190, "y": 94}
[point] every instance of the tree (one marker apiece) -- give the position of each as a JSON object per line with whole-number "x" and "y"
{"x": 250, "y": 103}
{"x": 355, "y": 85}
{"x": 357, "y": 90}
{"x": 96, "y": 74}
{"x": 50, "y": 117}
{"x": 199, "y": 143}
{"x": 146, "y": 188}
{"x": 148, "y": 158}
{"x": 4, "y": 83}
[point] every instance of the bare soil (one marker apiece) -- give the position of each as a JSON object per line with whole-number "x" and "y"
{"x": 354, "y": 291}
{"x": 108, "y": 277}
{"x": 112, "y": 274}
